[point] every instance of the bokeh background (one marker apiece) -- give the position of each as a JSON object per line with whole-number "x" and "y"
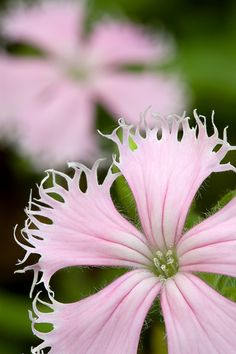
{"x": 205, "y": 35}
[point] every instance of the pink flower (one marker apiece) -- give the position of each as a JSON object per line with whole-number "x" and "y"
{"x": 49, "y": 102}
{"x": 164, "y": 173}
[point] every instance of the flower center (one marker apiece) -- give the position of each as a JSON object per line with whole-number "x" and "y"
{"x": 165, "y": 264}
{"x": 78, "y": 73}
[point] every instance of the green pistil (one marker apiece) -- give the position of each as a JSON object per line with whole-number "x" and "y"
{"x": 165, "y": 264}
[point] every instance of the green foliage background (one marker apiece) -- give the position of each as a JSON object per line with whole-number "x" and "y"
{"x": 205, "y": 36}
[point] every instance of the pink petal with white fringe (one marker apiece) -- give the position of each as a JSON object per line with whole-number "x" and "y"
{"x": 126, "y": 94}
{"x": 197, "y": 318}
{"x": 53, "y": 26}
{"x": 81, "y": 228}
{"x": 164, "y": 172}
{"x": 107, "y": 322}
{"x": 118, "y": 43}
{"x": 211, "y": 245}
{"x": 72, "y": 224}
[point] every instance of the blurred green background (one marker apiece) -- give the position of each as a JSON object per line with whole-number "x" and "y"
{"x": 205, "y": 36}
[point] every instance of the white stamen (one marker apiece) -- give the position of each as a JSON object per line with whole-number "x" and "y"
{"x": 166, "y": 264}
{"x": 163, "y": 268}
{"x": 169, "y": 253}
{"x": 157, "y": 263}
{"x": 170, "y": 260}
{"x": 159, "y": 254}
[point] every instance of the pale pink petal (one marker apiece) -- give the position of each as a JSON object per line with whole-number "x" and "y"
{"x": 211, "y": 245}
{"x": 47, "y": 115}
{"x": 59, "y": 125}
{"x": 107, "y": 322}
{"x": 84, "y": 229}
{"x": 117, "y": 43}
{"x": 53, "y": 26}
{"x": 22, "y": 80}
{"x": 164, "y": 172}
{"x": 126, "y": 94}
{"x": 197, "y": 318}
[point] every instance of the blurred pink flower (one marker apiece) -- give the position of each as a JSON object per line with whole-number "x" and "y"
{"x": 48, "y": 103}
{"x": 164, "y": 173}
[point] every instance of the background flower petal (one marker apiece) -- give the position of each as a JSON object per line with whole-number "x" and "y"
{"x": 22, "y": 79}
{"x": 118, "y": 43}
{"x": 71, "y": 227}
{"x": 53, "y": 26}
{"x": 197, "y": 318}
{"x": 49, "y": 117}
{"x": 107, "y": 322}
{"x": 62, "y": 126}
{"x": 165, "y": 170}
{"x": 127, "y": 95}
{"x": 211, "y": 245}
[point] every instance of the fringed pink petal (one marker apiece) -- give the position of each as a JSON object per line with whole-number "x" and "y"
{"x": 211, "y": 245}
{"x": 118, "y": 43}
{"x": 127, "y": 94}
{"x": 197, "y": 318}
{"x": 164, "y": 171}
{"x": 54, "y": 26}
{"x": 107, "y": 322}
{"x": 70, "y": 227}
